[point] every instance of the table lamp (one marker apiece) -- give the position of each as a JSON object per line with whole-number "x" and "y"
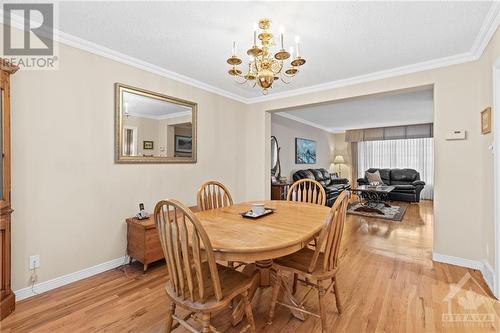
{"x": 339, "y": 159}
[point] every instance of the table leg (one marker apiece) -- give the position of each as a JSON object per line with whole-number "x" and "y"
{"x": 264, "y": 266}
{"x": 239, "y": 309}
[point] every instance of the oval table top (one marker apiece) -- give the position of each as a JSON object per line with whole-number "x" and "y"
{"x": 287, "y": 230}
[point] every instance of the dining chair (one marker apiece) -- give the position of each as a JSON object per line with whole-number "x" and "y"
{"x": 307, "y": 190}
{"x": 318, "y": 265}
{"x": 213, "y": 194}
{"x": 196, "y": 282}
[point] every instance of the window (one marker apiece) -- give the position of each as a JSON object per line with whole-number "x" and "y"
{"x": 415, "y": 154}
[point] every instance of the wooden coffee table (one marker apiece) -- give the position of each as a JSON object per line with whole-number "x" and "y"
{"x": 372, "y": 198}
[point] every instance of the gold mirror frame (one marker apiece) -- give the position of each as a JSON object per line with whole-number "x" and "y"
{"x": 119, "y": 157}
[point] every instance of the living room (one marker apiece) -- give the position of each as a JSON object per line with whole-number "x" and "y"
{"x": 388, "y": 136}
{"x": 106, "y": 229}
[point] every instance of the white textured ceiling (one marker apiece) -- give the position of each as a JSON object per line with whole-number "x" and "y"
{"x": 340, "y": 40}
{"x": 391, "y": 109}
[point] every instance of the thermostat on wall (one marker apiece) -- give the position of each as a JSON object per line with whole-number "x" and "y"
{"x": 456, "y": 135}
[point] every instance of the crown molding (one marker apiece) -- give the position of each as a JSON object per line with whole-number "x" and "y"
{"x": 488, "y": 28}
{"x": 83, "y": 44}
{"x": 422, "y": 66}
{"x": 305, "y": 122}
{"x": 91, "y": 47}
{"x": 490, "y": 25}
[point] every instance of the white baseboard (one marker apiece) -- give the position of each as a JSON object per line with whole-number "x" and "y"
{"x": 483, "y": 266}
{"x": 488, "y": 275}
{"x": 457, "y": 261}
{"x": 69, "y": 278}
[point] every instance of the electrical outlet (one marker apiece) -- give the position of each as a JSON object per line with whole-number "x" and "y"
{"x": 34, "y": 262}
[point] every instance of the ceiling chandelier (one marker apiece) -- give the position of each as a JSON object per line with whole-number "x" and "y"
{"x": 264, "y": 68}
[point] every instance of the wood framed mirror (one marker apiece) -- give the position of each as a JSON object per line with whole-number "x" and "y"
{"x": 153, "y": 128}
{"x": 275, "y": 160}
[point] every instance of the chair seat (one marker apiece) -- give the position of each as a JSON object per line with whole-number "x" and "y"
{"x": 299, "y": 262}
{"x": 232, "y": 282}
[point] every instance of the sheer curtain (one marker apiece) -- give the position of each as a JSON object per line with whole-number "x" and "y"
{"x": 415, "y": 154}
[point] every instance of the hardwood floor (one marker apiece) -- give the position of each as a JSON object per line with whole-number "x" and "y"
{"x": 388, "y": 283}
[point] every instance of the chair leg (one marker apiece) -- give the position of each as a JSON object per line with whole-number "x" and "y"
{"x": 337, "y": 294}
{"x": 205, "y": 322}
{"x": 294, "y": 287}
{"x": 248, "y": 311}
{"x": 322, "y": 305}
{"x": 170, "y": 319}
{"x": 274, "y": 299}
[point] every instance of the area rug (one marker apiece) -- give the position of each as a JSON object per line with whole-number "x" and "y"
{"x": 393, "y": 213}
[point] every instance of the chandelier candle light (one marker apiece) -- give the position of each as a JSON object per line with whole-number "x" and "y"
{"x": 263, "y": 67}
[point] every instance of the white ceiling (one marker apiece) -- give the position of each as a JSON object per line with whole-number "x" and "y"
{"x": 146, "y": 107}
{"x": 391, "y": 109}
{"x": 340, "y": 40}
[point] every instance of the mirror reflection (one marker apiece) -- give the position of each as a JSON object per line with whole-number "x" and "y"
{"x": 155, "y": 128}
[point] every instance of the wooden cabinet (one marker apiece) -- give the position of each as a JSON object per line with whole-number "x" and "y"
{"x": 7, "y": 297}
{"x": 143, "y": 243}
{"x": 279, "y": 191}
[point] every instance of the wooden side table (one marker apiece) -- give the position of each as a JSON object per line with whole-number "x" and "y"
{"x": 279, "y": 191}
{"x": 143, "y": 242}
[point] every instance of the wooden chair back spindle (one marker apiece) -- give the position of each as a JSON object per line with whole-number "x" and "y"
{"x": 331, "y": 235}
{"x": 184, "y": 260}
{"x": 307, "y": 190}
{"x": 213, "y": 194}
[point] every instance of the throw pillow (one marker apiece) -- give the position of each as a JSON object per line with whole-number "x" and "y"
{"x": 373, "y": 177}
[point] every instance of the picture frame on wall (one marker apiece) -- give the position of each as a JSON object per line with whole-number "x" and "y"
{"x": 305, "y": 151}
{"x": 183, "y": 144}
{"x": 486, "y": 121}
{"x": 149, "y": 145}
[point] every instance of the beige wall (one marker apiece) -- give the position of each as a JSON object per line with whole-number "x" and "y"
{"x": 286, "y": 130}
{"x": 460, "y": 93}
{"x": 70, "y": 198}
{"x": 484, "y": 174}
{"x": 342, "y": 148}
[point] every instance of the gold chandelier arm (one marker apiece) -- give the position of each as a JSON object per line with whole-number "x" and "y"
{"x": 255, "y": 65}
{"x": 285, "y": 82}
{"x": 281, "y": 66}
{"x": 242, "y": 82}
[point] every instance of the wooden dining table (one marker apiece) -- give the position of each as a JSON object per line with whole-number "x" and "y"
{"x": 258, "y": 241}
